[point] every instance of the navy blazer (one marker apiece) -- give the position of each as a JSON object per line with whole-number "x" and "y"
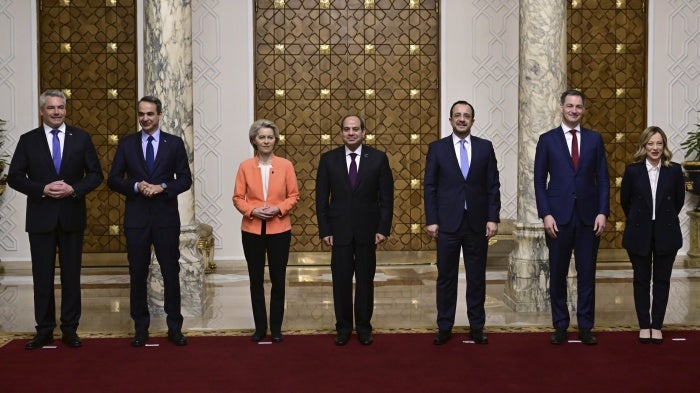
{"x": 358, "y": 213}
{"x": 635, "y": 198}
{"x": 171, "y": 167}
{"x": 445, "y": 189}
{"x": 587, "y": 188}
{"x": 31, "y": 169}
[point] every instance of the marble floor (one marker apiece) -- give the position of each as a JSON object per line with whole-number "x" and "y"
{"x": 404, "y": 300}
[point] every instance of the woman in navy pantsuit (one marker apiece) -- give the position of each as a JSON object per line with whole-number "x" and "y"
{"x": 652, "y": 195}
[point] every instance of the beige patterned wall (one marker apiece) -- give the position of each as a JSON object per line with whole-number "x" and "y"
{"x": 319, "y": 60}
{"x": 88, "y": 50}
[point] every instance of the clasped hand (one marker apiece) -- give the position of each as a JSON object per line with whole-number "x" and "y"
{"x": 58, "y": 189}
{"x": 265, "y": 213}
{"x": 149, "y": 190}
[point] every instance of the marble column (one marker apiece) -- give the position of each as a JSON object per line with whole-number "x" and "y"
{"x": 542, "y": 80}
{"x": 693, "y": 259}
{"x": 168, "y": 76}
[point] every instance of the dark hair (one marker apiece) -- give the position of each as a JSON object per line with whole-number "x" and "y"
{"x": 572, "y": 92}
{"x": 153, "y": 100}
{"x": 362, "y": 122}
{"x": 461, "y": 102}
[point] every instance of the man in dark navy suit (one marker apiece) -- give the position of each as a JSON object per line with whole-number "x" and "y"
{"x": 462, "y": 210}
{"x": 55, "y": 165}
{"x": 354, "y": 208}
{"x": 574, "y": 206}
{"x": 151, "y": 169}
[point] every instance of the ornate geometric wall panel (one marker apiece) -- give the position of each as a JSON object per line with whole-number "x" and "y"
{"x": 317, "y": 60}
{"x": 607, "y": 60}
{"x": 87, "y": 49}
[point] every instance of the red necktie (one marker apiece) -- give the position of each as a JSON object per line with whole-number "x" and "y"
{"x": 574, "y": 149}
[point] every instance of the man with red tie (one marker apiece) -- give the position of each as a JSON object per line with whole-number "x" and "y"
{"x": 574, "y": 206}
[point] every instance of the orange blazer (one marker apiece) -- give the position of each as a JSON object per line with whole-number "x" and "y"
{"x": 282, "y": 191}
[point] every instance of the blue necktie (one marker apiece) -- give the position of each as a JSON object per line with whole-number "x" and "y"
{"x": 56, "y": 147}
{"x": 464, "y": 163}
{"x": 150, "y": 156}
{"x": 464, "y": 159}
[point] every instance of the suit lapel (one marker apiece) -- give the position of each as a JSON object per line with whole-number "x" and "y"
{"x": 41, "y": 140}
{"x": 565, "y": 147}
{"x": 662, "y": 184}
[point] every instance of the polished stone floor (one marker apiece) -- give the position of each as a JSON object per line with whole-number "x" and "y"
{"x": 404, "y": 300}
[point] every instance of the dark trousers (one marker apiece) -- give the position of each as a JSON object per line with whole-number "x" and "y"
{"x": 474, "y": 246}
{"x": 43, "y": 250}
{"x": 276, "y": 247}
{"x": 359, "y": 260}
{"x": 579, "y": 238}
{"x": 166, "y": 245}
{"x": 658, "y": 268}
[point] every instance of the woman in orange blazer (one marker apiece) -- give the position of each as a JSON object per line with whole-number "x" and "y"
{"x": 265, "y": 191}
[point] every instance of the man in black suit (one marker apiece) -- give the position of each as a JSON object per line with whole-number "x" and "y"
{"x": 55, "y": 165}
{"x": 462, "y": 210}
{"x": 354, "y": 208}
{"x": 151, "y": 168}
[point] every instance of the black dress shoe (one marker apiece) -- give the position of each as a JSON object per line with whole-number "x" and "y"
{"x": 341, "y": 339}
{"x": 140, "y": 339}
{"x": 277, "y": 337}
{"x": 177, "y": 338}
{"x": 72, "y": 340}
{"x": 442, "y": 337}
{"x": 39, "y": 341}
{"x": 656, "y": 340}
{"x": 258, "y": 336}
{"x": 559, "y": 336}
{"x": 366, "y": 339}
{"x": 587, "y": 337}
{"x": 478, "y": 336}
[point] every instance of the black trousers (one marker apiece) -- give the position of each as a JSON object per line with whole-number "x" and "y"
{"x": 656, "y": 268}
{"x": 360, "y": 261}
{"x": 43, "y": 250}
{"x": 276, "y": 248}
{"x": 474, "y": 246}
{"x": 166, "y": 245}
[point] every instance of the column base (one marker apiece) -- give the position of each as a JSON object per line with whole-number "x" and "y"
{"x": 196, "y": 254}
{"x": 693, "y": 259}
{"x": 527, "y": 285}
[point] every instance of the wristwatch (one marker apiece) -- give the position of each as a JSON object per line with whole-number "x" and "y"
{"x": 163, "y": 186}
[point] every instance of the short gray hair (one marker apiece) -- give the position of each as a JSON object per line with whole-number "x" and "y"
{"x": 262, "y": 123}
{"x": 51, "y": 93}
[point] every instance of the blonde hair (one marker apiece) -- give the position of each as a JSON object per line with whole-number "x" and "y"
{"x": 257, "y": 125}
{"x": 641, "y": 153}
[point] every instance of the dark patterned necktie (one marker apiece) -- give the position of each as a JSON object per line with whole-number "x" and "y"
{"x": 353, "y": 170}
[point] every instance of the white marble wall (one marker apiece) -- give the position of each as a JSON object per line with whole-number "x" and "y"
{"x": 674, "y": 78}
{"x": 19, "y": 107}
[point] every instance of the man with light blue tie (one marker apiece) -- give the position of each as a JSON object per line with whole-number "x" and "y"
{"x": 462, "y": 209}
{"x": 55, "y": 165}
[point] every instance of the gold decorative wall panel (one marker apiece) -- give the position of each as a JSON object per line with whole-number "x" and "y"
{"x": 316, "y": 61}
{"x": 87, "y": 49}
{"x": 607, "y": 60}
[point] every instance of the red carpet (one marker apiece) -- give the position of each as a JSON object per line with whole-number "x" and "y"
{"x": 512, "y": 362}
